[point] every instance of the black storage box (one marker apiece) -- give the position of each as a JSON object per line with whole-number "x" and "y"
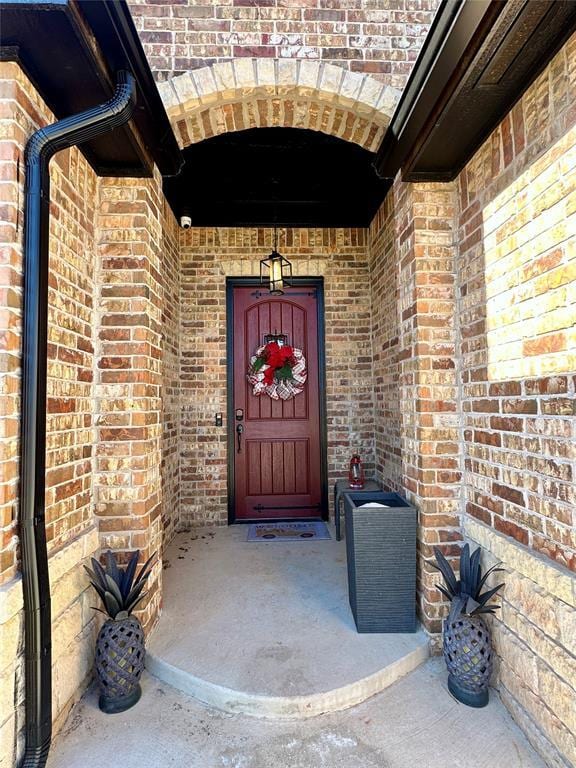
{"x": 381, "y": 555}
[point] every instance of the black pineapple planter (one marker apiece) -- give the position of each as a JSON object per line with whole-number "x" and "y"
{"x": 120, "y": 648}
{"x": 119, "y": 663}
{"x": 468, "y": 654}
{"x": 467, "y": 645}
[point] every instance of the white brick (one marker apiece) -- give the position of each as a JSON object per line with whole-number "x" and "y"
{"x": 350, "y": 87}
{"x": 331, "y": 79}
{"x": 245, "y": 73}
{"x": 169, "y": 97}
{"x": 266, "y": 73}
{"x": 287, "y": 73}
{"x": 205, "y": 85}
{"x": 224, "y": 76}
{"x": 185, "y": 88}
{"x": 308, "y": 73}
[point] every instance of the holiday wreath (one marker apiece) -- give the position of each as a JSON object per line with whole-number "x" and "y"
{"x": 277, "y": 370}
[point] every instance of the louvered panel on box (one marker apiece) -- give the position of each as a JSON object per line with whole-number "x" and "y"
{"x": 381, "y": 555}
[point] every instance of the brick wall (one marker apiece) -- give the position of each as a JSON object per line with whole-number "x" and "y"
{"x": 69, "y": 421}
{"x": 517, "y": 272}
{"x": 378, "y": 38}
{"x": 517, "y": 280}
{"x": 113, "y": 396}
{"x": 473, "y": 341}
{"x": 415, "y": 385}
{"x": 17, "y": 114}
{"x": 386, "y": 320}
{"x": 70, "y": 340}
{"x": 170, "y": 275}
{"x": 234, "y": 65}
{"x": 128, "y": 487}
{"x": 208, "y": 256}
{"x": 460, "y": 297}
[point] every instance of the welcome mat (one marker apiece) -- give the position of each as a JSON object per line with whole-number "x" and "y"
{"x": 288, "y": 531}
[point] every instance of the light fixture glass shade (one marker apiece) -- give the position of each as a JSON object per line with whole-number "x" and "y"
{"x": 276, "y": 270}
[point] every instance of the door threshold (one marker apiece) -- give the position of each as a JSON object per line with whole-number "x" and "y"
{"x": 251, "y": 521}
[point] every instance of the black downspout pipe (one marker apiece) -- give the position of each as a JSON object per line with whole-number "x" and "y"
{"x": 40, "y": 148}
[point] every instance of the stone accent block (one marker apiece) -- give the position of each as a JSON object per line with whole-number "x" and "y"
{"x": 244, "y": 93}
{"x": 73, "y": 636}
{"x": 554, "y": 579}
{"x": 526, "y": 719}
{"x": 534, "y": 641}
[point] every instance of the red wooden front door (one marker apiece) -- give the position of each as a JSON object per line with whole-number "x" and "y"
{"x": 277, "y": 455}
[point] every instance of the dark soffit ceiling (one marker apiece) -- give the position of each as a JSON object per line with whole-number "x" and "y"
{"x": 478, "y": 59}
{"x": 71, "y": 51}
{"x": 292, "y": 176}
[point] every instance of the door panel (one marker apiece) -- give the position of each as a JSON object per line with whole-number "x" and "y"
{"x": 278, "y": 468}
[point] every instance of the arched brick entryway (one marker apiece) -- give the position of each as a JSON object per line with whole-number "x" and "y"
{"x": 265, "y": 93}
{"x": 252, "y": 93}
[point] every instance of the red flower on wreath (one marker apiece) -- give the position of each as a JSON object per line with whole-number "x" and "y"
{"x": 278, "y": 358}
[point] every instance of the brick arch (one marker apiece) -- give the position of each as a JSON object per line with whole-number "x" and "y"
{"x": 252, "y": 93}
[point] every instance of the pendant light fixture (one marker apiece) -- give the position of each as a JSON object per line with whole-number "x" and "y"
{"x": 276, "y": 270}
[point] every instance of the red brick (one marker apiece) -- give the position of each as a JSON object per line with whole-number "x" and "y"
{"x": 509, "y": 494}
{"x": 505, "y": 388}
{"x": 559, "y": 406}
{"x": 506, "y": 424}
{"x": 551, "y": 385}
{"x": 519, "y": 406}
{"x": 511, "y": 529}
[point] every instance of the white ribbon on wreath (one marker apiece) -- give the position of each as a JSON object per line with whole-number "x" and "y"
{"x": 280, "y": 389}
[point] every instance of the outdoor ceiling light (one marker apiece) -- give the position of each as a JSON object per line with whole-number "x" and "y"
{"x": 276, "y": 270}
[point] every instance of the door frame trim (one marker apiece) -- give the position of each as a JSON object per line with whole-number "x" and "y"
{"x": 247, "y": 282}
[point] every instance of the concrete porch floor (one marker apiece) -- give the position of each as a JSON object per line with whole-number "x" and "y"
{"x": 414, "y": 724}
{"x": 265, "y": 628}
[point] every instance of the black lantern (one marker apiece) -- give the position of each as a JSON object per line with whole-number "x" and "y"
{"x": 276, "y": 270}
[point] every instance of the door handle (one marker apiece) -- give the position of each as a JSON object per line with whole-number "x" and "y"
{"x": 239, "y": 430}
